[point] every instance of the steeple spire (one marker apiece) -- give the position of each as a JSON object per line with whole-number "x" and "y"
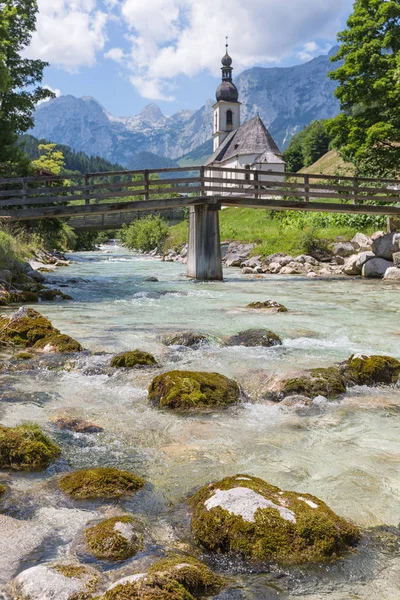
{"x": 226, "y": 64}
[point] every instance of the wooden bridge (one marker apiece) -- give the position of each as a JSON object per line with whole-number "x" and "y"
{"x": 203, "y": 189}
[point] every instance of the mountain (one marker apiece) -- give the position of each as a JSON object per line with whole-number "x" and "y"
{"x": 287, "y": 99}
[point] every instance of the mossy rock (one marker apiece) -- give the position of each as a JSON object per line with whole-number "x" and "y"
{"x": 269, "y": 305}
{"x": 140, "y": 588}
{"x": 24, "y": 356}
{"x": 194, "y": 575}
{"x": 77, "y": 425}
{"x": 25, "y": 297}
{"x": 247, "y": 516}
{"x": 117, "y": 538}
{"x": 189, "y": 339}
{"x": 58, "y": 581}
{"x": 254, "y": 337}
{"x": 371, "y": 370}
{"x": 53, "y": 295}
{"x": 58, "y": 343}
{"x": 3, "y": 490}
{"x": 25, "y": 327}
{"x": 187, "y": 390}
{"x": 26, "y": 448}
{"x": 328, "y": 382}
{"x": 136, "y": 358}
{"x": 104, "y": 482}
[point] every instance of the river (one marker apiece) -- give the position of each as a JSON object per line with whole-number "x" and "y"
{"x": 346, "y": 452}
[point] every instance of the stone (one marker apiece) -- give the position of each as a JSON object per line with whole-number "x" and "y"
{"x": 386, "y": 245}
{"x": 355, "y": 263}
{"x": 237, "y": 253}
{"x": 392, "y": 274}
{"x": 362, "y": 242}
{"x": 26, "y": 448}
{"x": 281, "y": 259}
{"x": 296, "y": 401}
{"x": 77, "y": 425}
{"x": 312, "y": 274}
{"x": 35, "y": 275}
{"x": 189, "y": 390}
{"x": 189, "y": 339}
{"x": 253, "y": 262}
{"x": 135, "y": 358}
{"x": 376, "y": 268}
{"x": 55, "y": 581}
{"x": 371, "y": 370}
{"x": 53, "y": 295}
{"x": 117, "y": 538}
{"x": 249, "y": 271}
{"x": 274, "y": 267}
{"x": 254, "y": 337}
{"x": 396, "y": 260}
{"x": 329, "y": 382}
{"x": 246, "y": 516}
{"x": 306, "y": 259}
{"x": 288, "y": 271}
{"x": 343, "y": 249}
{"x": 58, "y": 343}
{"x": 25, "y": 327}
{"x": 269, "y": 305}
{"x": 139, "y": 586}
{"x": 103, "y": 482}
{"x": 150, "y": 279}
{"x": 376, "y": 235}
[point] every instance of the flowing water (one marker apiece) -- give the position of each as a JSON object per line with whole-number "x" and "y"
{"x": 346, "y": 452}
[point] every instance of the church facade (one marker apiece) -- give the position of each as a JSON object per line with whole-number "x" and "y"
{"x": 246, "y": 146}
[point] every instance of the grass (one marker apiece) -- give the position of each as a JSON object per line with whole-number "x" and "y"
{"x": 270, "y": 235}
{"x": 14, "y": 247}
{"x": 330, "y": 164}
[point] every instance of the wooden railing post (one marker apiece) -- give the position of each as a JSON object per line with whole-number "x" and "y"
{"x": 355, "y": 193}
{"x": 256, "y": 186}
{"x": 146, "y": 185}
{"x": 307, "y": 188}
{"x": 202, "y": 182}
{"x": 87, "y": 190}
{"x": 24, "y": 189}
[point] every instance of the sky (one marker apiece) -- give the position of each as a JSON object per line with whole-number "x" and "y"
{"x": 129, "y": 53}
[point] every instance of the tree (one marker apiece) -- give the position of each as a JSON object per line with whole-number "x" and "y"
{"x": 368, "y": 130}
{"x": 307, "y": 146}
{"x": 19, "y": 92}
{"x": 51, "y": 159}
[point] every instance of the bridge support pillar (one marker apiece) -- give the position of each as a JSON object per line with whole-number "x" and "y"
{"x": 204, "y": 252}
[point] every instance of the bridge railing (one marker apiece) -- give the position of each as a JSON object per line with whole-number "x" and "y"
{"x": 159, "y": 189}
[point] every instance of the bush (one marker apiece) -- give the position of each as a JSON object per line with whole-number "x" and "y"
{"x": 145, "y": 234}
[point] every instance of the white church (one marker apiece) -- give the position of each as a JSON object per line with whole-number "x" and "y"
{"x": 249, "y": 146}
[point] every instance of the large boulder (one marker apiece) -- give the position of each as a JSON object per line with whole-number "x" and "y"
{"x": 354, "y": 264}
{"x": 103, "y": 482}
{"x": 362, "y": 242}
{"x": 58, "y": 343}
{"x": 396, "y": 260}
{"x": 328, "y": 382}
{"x": 193, "y": 390}
{"x": 392, "y": 274}
{"x": 376, "y": 268}
{"x": 247, "y": 516}
{"x": 371, "y": 370}
{"x": 189, "y": 339}
{"x": 117, "y": 538}
{"x": 254, "y": 337}
{"x": 139, "y": 586}
{"x": 343, "y": 249}
{"x": 386, "y": 245}
{"x": 55, "y": 581}
{"x": 237, "y": 253}
{"x": 135, "y": 358}
{"x": 26, "y": 448}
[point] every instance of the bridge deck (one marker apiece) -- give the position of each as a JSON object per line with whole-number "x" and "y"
{"x": 96, "y": 194}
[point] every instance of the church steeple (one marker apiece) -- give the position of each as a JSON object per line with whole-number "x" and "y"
{"x": 227, "y": 108}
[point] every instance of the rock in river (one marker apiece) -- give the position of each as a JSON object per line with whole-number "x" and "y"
{"x": 192, "y": 390}
{"x": 136, "y": 358}
{"x": 247, "y": 516}
{"x": 254, "y": 337}
{"x": 371, "y": 370}
{"x": 117, "y": 538}
{"x": 269, "y": 305}
{"x": 26, "y": 448}
{"x": 189, "y": 339}
{"x": 104, "y": 482}
{"x": 328, "y": 382}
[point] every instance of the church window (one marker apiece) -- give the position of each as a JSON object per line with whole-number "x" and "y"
{"x": 229, "y": 118}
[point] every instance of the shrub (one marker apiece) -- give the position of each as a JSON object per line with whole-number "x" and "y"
{"x": 145, "y": 234}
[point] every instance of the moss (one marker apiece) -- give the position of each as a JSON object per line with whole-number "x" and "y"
{"x": 143, "y": 590}
{"x": 192, "y": 389}
{"x": 52, "y": 295}
{"x": 24, "y": 297}
{"x": 24, "y": 356}
{"x": 371, "y": 370}
{"x": 104, "y": 482}
{"x": 59, "y": 343}
{"x": 3, "y": 489}
{"x": 106, "y": 542}
{"x": 268, "y": 305}
{"x": 189, "y": 339}
{"x": 315, "y": 534}
{"x": 86, "y": 574}
{"x": 195, "y": 577}
{"x": 136, "y": 358}
{"x": 254, "y": 337}
{"x": 26, "y": 448}
{"x": 328, "y": 382}
{"x": 25, "y": 328}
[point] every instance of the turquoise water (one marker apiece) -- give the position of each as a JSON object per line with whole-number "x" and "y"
{"x": 347, "y": 452}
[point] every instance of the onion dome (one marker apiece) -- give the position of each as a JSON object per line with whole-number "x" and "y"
{"x": 227, "y": 91}
{"x": 226, "y": 60}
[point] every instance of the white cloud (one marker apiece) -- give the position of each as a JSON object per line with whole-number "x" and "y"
{"x": 115, "y": 54}
{"x": 55, "y": 91}
{"x": 68, "y": 33}
{"x": 173, "y": 37}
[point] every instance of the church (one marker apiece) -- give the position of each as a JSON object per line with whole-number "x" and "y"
{"x": 248, "y": 146}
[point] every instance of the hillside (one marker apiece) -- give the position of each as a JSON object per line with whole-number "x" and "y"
{"x": 287, "y": 99}
{"x": 330, "y": 164}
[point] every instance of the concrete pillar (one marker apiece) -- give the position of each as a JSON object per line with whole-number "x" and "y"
{"x": 204, "y": 252}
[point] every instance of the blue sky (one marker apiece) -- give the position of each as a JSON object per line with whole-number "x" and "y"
{"x": 128, "y": 53}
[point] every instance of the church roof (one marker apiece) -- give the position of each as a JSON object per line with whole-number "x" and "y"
{"x": 250, "y": 138}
